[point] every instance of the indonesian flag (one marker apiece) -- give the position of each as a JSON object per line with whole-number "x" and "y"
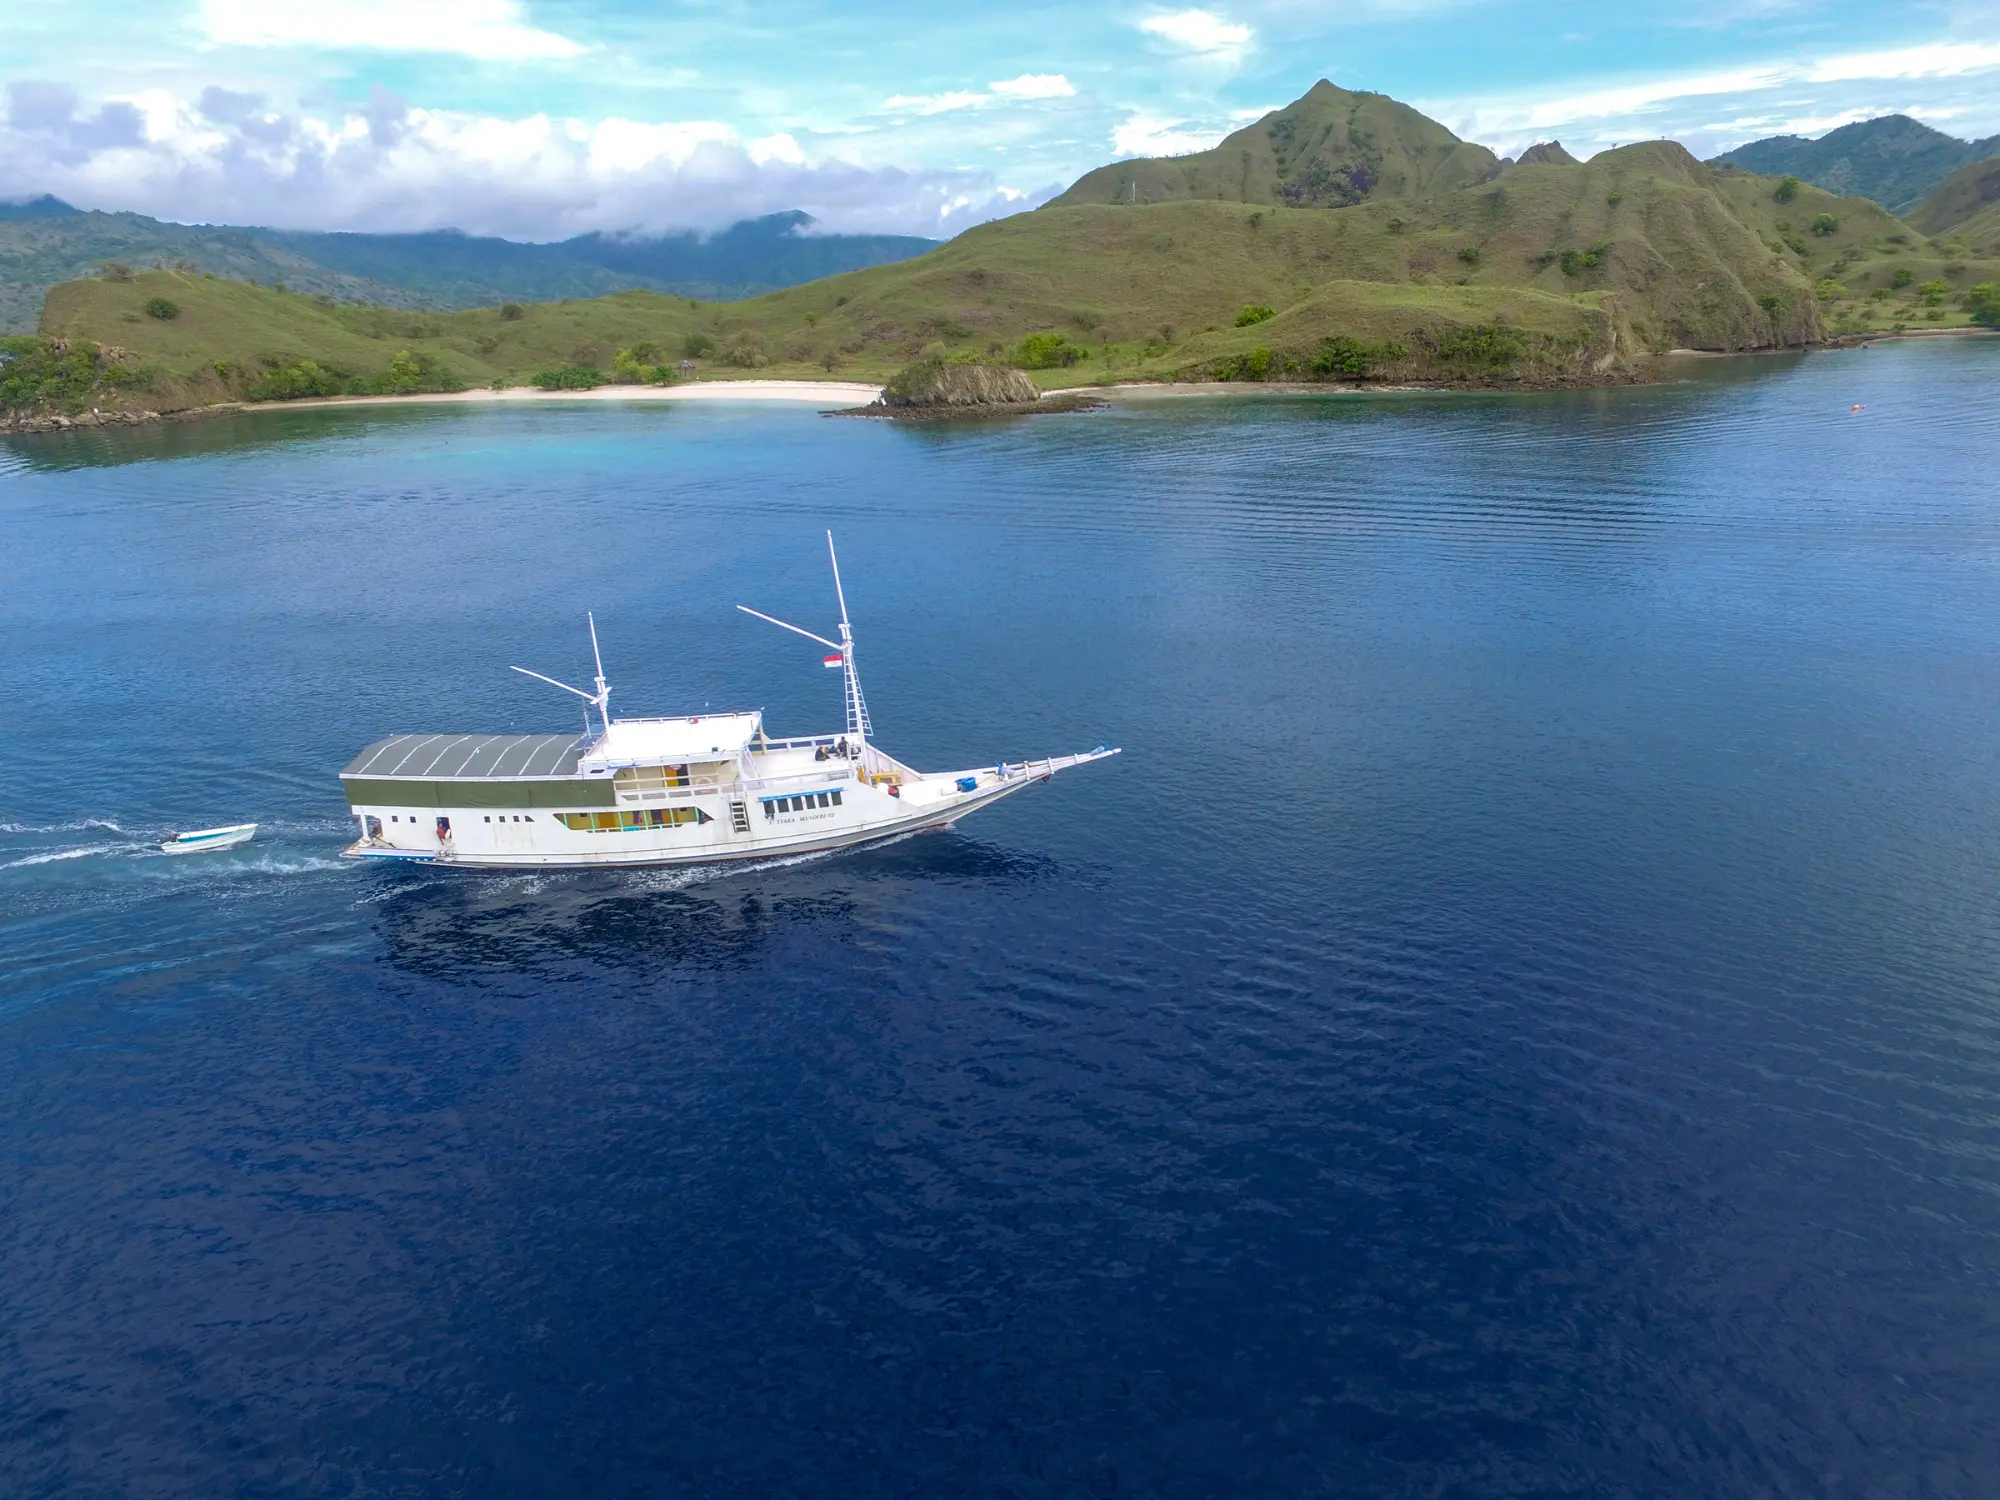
{"x": 835, "y": 660}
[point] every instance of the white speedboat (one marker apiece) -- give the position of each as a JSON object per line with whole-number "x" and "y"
{"x": 208, "y": 840}
{"x": 691, "y": 790}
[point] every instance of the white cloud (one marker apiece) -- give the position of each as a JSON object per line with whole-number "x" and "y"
{"x": 935, "y": 104}
{"x": 390, "y": 167}
{"x": 1151, "y": 135}
{"x": 1514, "y": 116}
{"x": 1201, "y": 31}
{"x": 616, "y": 145}
{"x": 1034, "y": 86}
{"x": 1937, "y": 60}
{"x": 1802, "y": 96}
{"x": 488, "y": 30}
{"x": 781, "y": 147}
{"x": 1029, "y": 86}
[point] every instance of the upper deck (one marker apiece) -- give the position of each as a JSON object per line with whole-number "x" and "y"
{"x": 470, "y": 757}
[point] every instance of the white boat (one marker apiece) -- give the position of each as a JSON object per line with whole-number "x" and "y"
{"x": 665, "y": 791}
{"x": 207, "y": 840}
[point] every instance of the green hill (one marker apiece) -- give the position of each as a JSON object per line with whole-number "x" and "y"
{"x": 46, "y": 241}
{"x": 1964, "y": 208}
{"x": 1329, "y": 149}
{"x": 1540, "y": 272}
{"x": 1892, "y": 159}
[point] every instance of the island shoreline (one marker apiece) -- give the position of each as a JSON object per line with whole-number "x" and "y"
{"x": 839, "y": 396}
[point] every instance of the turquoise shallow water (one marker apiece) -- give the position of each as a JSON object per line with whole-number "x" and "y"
{"x": 1520, "y": 1018}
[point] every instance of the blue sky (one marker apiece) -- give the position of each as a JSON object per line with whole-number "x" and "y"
{"x": 542, "y": 118}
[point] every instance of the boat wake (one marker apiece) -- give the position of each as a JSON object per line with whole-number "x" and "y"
{"x": 52, "y": 856}
{"x": 77, "y": 826}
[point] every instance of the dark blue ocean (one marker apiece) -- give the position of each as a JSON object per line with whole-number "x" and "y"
{"x": 1522, "y": 1017}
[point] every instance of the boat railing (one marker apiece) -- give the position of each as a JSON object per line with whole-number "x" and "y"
{"x": 871, "y": 766}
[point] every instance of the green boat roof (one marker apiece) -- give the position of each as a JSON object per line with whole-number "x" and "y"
{"x": 470, "y": 757}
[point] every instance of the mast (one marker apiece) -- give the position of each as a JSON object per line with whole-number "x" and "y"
{"x": 859, "y": 729}
{"x": 603, "y": 687}
{"x": 857, "y": 707}
{"x": 601, "y": 699}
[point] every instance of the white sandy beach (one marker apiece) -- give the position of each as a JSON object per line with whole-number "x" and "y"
{"x": 829, "y": 394}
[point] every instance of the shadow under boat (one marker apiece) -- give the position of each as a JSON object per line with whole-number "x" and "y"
{"x": 707, "y": 917}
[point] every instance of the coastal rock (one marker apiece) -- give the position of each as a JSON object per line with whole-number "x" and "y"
{"x": 934, "y": 383}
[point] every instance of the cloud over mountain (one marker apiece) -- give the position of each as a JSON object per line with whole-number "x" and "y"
{"x": 228, "y": 157}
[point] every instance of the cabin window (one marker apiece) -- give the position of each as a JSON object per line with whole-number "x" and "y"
{"x": 650, "y": 778}
{"x": 626, "y": 822}
{"x": 804, "y": 803}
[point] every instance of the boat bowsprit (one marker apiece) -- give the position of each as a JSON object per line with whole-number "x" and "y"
{"x": 691, "y": 790}
{"x": 208, "y": 840}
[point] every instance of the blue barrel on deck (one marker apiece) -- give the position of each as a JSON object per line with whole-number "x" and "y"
{"x": 968, "y": 783}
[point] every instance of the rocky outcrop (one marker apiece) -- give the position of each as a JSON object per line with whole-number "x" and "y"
{"x": 932, "y": 384}
{"x": 47, "y": 421}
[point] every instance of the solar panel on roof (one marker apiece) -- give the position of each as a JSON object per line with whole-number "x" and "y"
{"x": 469, "y": 757}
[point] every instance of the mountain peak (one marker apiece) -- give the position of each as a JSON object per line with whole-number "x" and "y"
{"x": 1546, "y": 154}
{"x": 47, "y": 206}
{"x": 1329, "y": 148}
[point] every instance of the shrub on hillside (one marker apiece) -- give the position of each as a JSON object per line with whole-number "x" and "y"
{"x": 115, "y": 270}
{"x": 1344, "y": 358}
{"x": 1824, "y": 224}
{"x": 1483, "y": 346}
{"x": 1934, "y": 291}
{"x": 37, "y": 371}
{"x": 512, "y": 312}
{"x": 1470, "y": 255}
{"x": 408, "y": 375}
{"x": 1982, "y": 304}
{"x": 1256, "y": 365}
{"x": 1576, "y": 262}
{"x": 161, "y": 308}
{"x": 1046, "y": 351}
{"x": 567, "y": 378}
{"x": 643, "y": 364}
{"x": 1902, "y": 276}
{"x": 1255, "y": 313}
{"x": 296, "y": 381}
{"x": 695, "y": 345}
{"x": 1827, "y": 289}
{"x": 1787, "y": 189}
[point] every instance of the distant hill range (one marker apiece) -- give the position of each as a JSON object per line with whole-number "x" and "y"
{"x": 1893, "y": 159}
{"x": 44, "y": 241}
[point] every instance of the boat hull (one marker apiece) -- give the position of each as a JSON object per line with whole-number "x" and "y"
{"x": 210, "y": 840}
{"x": 728, "y": 832}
